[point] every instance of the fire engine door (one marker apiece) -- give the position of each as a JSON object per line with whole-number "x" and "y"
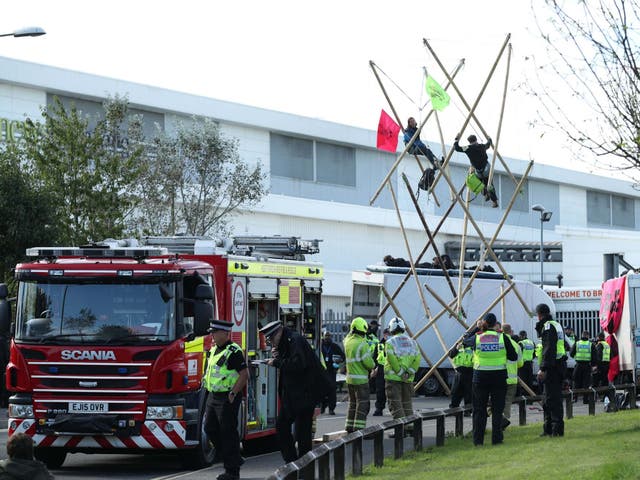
{"x": 262, "y": 389}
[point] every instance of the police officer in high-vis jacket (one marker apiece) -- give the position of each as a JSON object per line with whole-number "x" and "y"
{"x": 491, "y": 352}
{"x": 584, "y": 353}
{"x": 526, "y": 371}
{"x": 553, "y": 363}
{"x": 462, "y": 359}
{"x": 225, "y": 378}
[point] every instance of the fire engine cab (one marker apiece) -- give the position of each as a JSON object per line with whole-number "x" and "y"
{"x": 110, "y": 341}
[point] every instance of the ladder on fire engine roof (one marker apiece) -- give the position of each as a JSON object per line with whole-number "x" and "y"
{"x": 275, "y": 246}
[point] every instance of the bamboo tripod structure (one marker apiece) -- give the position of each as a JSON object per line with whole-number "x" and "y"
{"x": 452, "y": 308}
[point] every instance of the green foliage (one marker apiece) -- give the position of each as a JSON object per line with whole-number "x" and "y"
{"x": 203, "y": 182}
{"x": 27, "y": 216}
{"x": 91, "y": 173}
{"x": 601, "y": 447}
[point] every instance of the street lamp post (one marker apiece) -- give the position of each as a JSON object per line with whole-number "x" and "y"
{"x": 545, "y": 216}
{"x": 25, "y": 32}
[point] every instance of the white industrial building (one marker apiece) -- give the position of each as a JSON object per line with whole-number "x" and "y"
{"x": 323, "y": 174}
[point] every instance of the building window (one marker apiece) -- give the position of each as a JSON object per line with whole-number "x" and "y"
{"x": 312, "y": 161}
{"x": 610, "y": 210}
{"x": 507, "y": 187}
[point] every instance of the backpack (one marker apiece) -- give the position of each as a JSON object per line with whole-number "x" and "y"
{"x": 428, "y": 176}
{"x": 474, "y": 183}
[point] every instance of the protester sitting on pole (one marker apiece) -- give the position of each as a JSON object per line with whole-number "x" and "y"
{"x": 418, "y": 147}
{"x": 477, "y": 153}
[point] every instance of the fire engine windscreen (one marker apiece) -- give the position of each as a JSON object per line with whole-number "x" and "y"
{"x": 86, "y": 313}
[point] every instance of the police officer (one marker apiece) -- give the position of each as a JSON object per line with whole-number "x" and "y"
{"x": 491, "y": 352}
{"x": 463, "y": 381}
{"x": 526, "y": 371}
{"x": 402, "y": 362}
{"x": 332, "y": 357}
{"x": 583, "y": 351}
{"x": 512, "y": 375}
{"x": 359, "y": 363}
{"x": 302, "y": 384}
{"x": 602, "y": 358}
{"x": 225, "y": 379}
{"x": 380, "y": 357}
{"x": 553, "y": 363}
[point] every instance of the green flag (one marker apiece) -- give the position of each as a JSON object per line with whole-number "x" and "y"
{"x": 439, "y": 98}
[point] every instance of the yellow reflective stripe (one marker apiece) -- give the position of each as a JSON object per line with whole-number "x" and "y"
{"x": 273, "y": 269}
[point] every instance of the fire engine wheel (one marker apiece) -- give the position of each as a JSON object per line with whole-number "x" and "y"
{"x": 201, "y": 456}
{"x": 52, "y": 457}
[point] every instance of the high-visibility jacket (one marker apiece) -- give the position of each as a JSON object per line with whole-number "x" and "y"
{"x": 381, "y": 356}
{"x": 464, "y": 358}
{"x": 373, "y": 341}
{"x": 219, "y": 377}
{"x": 490, "y": 353}
{"x": 606, "y": 351}
{"x": 403, "y": 358}
{"x": 513, "y": 365}
{"x": 538, "y": 350}
{"x": 528, "y": 347}
{"x": 358, "y": 359}
{"x": 560, "y": 351}
{"x": 583, "y": 351}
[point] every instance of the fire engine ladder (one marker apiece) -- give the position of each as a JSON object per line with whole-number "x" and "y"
{"x": 274, "y": 246}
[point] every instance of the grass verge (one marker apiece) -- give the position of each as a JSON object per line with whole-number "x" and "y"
{"x": 603, "y": 447}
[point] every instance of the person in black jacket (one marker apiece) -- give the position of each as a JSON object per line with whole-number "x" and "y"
{"x": 489, "y": 380}
{"x": 477, "y": 153}
{"x": 301, "y": 386}
{"x": 21, "y": 465}
{"x": 333, "y": 357}
{"x": 553, "y": 363}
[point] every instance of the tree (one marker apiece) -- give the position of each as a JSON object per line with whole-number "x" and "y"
{"x": 27, "y": 216}
{"x": 592, "y": 48}
{"x": 92, "y": 173}
{"x": 203, "y": 181}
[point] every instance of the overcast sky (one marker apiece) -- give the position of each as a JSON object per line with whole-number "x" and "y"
{"x": 304, "y": 57}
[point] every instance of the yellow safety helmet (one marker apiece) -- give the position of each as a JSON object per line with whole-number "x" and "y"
{"x": 359, "y": 324}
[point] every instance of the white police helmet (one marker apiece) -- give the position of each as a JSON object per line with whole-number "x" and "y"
{"x": 396, "y": 323}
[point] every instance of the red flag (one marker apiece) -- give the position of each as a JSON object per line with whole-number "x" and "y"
{"x": 387, "y": 133}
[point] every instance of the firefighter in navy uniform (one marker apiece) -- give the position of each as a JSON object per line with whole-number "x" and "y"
{"x": 553, "y": 363}
{"x": 225, "y": 379}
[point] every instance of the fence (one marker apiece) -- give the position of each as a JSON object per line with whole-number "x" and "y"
{"x": 320, "y": 457}
{"x": 337, "y": 323}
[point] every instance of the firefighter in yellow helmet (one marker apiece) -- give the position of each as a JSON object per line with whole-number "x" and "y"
{"x": 359, "y": 363}
{"x": 402, "y": 362}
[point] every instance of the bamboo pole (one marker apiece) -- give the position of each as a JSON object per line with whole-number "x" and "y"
{"x": 416, "y": 135}
{"x": 395, "y": 114}
{"x": 464, "y": 101}
{"x": 422, "y": 252}
{"x": 504, "y": 100}
{"x": 482, "y": 90}
{"x": 482, "y": 237}
{"x": 444, "y": 304}
{"x": 413, "y": 267}
{"x": 463, "y": 246}
{"x": 428, "y": 231}
{"x": 444, "y": 357}
{"x": 422, "y": 352}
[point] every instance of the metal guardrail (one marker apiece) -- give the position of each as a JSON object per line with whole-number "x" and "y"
{"x": 320, "y": 457}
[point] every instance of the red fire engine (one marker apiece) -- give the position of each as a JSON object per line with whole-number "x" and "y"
{"x": 110, "y": 341}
